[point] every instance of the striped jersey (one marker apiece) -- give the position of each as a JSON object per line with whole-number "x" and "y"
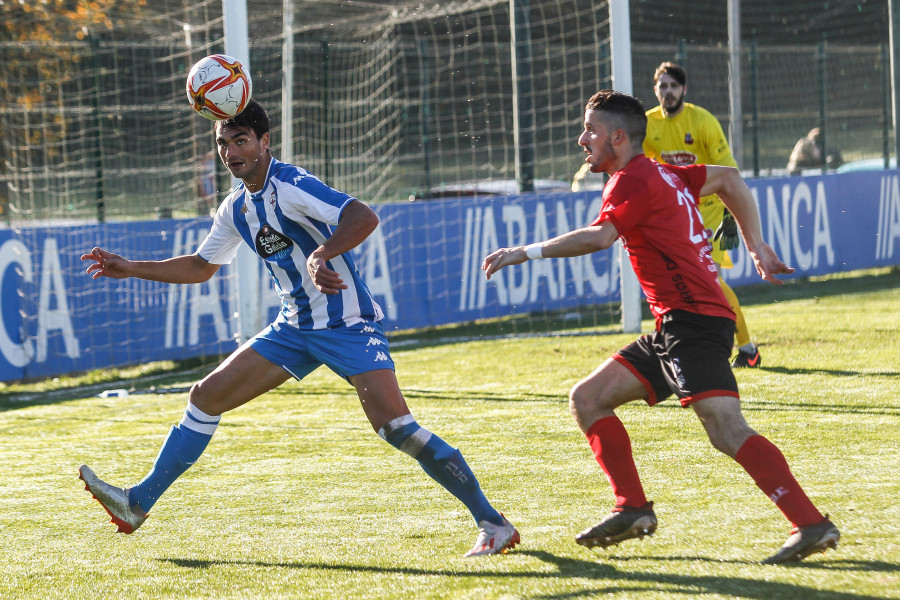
{"x": 283, "y": 224}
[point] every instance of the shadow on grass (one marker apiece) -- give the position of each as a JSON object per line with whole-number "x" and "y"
{"x": 834, "y": 409}
{"x": 412, "y": 393}
{"x": 605, "y": 319}
{"x": 669, "y": 403}
{"x": 857, "y": 282}
{"x": 614, "y": 578}
{"x": 158, "y": 379}
{"x": 588, "y": 321}
{"x": 827, "y": 565}
{"x": 833, "y": 372}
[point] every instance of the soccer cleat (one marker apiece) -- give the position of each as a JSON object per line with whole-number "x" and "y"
{"x": 623, "y": 523}
{"x": 494, "y": 539}
{"x": 805, "y": 541}
{"x": 114, "y": 500}
{"x": 747, "y": 359}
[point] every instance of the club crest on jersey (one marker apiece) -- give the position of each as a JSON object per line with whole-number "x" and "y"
{"x": 273, "y": 199}
{"x": 688, "y": 139}
{"x": 272, "y": 245}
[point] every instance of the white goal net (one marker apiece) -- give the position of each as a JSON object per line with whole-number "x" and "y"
{"x": 392, "y": 102}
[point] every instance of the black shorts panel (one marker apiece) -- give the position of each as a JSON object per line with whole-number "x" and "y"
{"x": 688, "y": 355}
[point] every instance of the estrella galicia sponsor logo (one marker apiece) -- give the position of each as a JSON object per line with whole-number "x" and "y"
{"x": 272, "y": 245}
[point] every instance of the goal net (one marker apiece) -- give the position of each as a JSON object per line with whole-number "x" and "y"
{"x": 392, "y": 102}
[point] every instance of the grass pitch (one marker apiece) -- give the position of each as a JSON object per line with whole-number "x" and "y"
{"x": 296, "y": 497}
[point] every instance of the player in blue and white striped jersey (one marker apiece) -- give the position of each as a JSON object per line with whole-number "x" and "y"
{"x": 304, "y": 231}
{"x": 285, "y": 222}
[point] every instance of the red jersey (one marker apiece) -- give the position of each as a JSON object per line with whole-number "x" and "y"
{"x": 654, "y": 209}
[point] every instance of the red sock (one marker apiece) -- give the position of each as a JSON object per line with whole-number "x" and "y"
{"x": 767, "y": 466}
{"x": 612, "y": 449}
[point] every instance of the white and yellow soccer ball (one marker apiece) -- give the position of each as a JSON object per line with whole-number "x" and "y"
{"x": 219, "y": 87}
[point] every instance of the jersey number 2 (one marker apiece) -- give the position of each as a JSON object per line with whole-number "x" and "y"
{"x": 685, "y": 199}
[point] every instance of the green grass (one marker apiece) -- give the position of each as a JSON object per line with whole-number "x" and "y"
{"x": 296, "y": 497}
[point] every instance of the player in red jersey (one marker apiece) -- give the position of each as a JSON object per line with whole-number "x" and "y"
{"x": 652, "y": 208}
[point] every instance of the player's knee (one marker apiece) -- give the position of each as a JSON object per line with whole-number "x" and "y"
{"x": 205, "y": 402}
{"x": 718, "y": 443}
{"x": 581, "y": 401}
{"x": 195, "y": 395}
{"x": 406, "y": 435}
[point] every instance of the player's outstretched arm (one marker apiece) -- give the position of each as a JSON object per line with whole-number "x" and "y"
{"x": 731, "y": 188}
{"x": 575, "y": 243}
{"x": 189, "y": 268}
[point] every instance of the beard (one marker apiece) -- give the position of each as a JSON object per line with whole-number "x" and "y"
{"x": 607, "y": 153}
{"x": 674, "y": 108}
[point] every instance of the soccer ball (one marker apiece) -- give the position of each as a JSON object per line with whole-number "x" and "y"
{"x": 218, "y": 87}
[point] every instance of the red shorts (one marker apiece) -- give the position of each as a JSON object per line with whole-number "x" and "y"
{"x": 688, "y": 355}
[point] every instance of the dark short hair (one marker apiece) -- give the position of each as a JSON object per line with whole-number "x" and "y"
{"x": 674, "y": 70}
{"x": 626, "y": 110}
{"x": 253, "y": 116}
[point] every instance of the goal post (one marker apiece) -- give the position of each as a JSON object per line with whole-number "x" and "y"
{"x": 620, "y": 48}
{"x": 250, "y": 316}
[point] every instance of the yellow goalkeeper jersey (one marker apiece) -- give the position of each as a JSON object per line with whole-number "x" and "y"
{"x": 693, "y": 136}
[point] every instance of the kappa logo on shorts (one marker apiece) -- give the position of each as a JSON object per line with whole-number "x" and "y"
{"x": 381, "y": 357}
{"x": 374, "y": 342}
{"x": 368, "y": 329}
{"x": 271, "y": 244}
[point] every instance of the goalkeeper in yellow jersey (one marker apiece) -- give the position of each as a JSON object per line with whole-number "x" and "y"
{"x": 680, "y": 133}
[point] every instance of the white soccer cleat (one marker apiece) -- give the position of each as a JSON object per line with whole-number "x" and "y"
{"x": 114, "y": 500}
{"x": 494, "y": 539}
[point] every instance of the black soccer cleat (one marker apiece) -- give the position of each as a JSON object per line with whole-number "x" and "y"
{"x": 621, "y": 524}
{"x": 747, "y": 359}
{"x": 805, "y": 541}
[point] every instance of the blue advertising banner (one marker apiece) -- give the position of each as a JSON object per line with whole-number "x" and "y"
{"x": 423, "y": 264}
{"x": 56, "y": 319}
{"x": 827, "y": 223}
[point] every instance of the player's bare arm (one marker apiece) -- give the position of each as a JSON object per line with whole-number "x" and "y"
{"x": 731, "y": 188}
{"x": 575, "y": 243}
{"x": 189, "y": 268}
{"x": 357, "y": 222}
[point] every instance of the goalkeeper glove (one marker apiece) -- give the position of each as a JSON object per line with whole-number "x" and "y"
{"x": 727, "y": 232}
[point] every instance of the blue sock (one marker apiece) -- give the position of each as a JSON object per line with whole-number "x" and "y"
{"x": 443, "y": 463}
{"x": 183, "y": 446}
